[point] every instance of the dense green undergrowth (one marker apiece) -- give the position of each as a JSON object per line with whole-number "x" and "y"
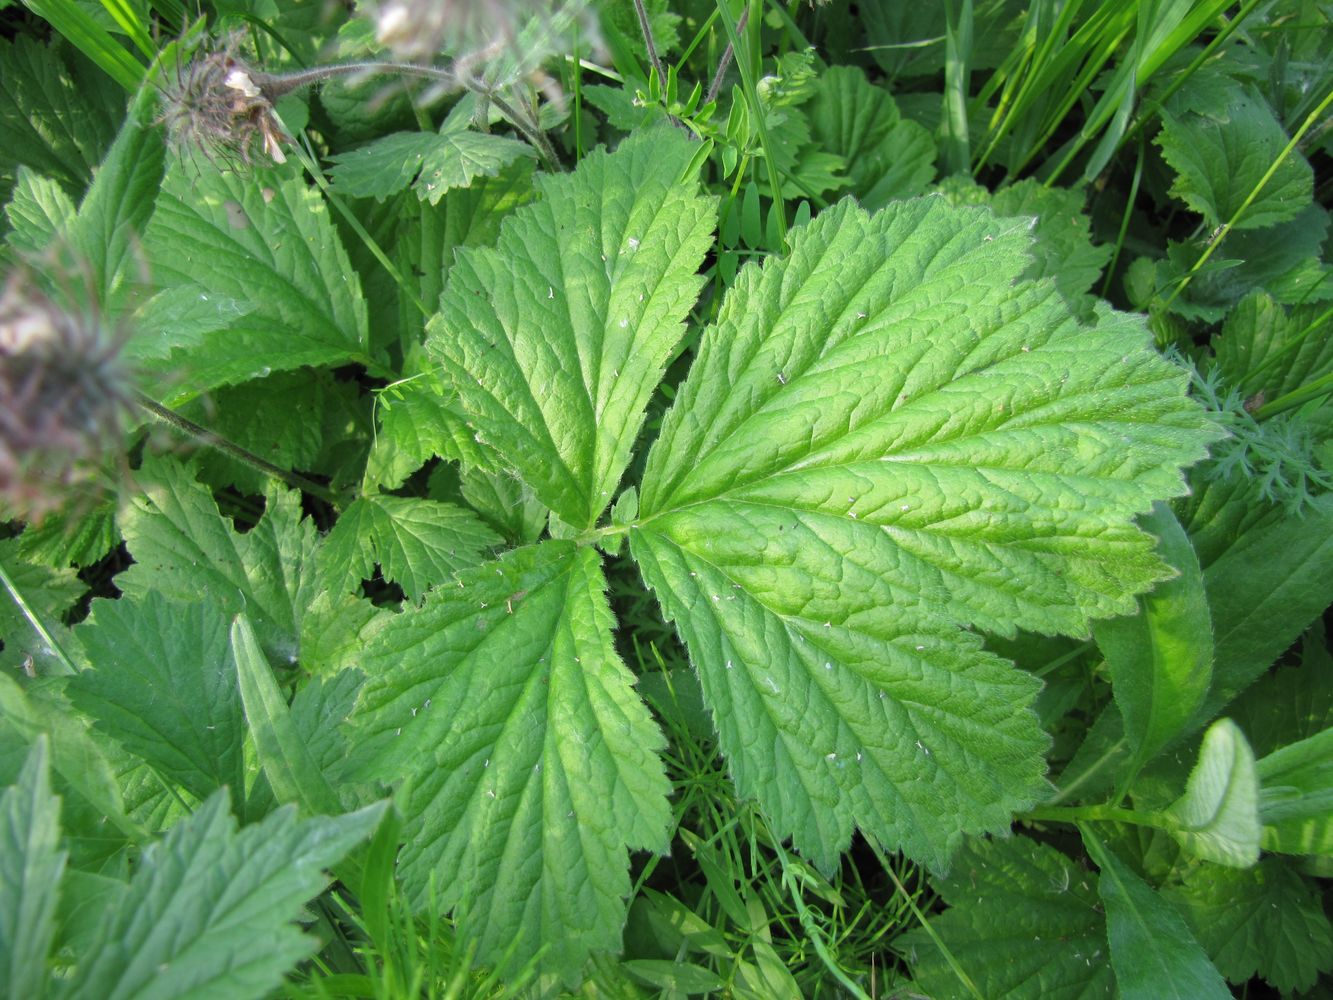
{"x": 651, "y": 500}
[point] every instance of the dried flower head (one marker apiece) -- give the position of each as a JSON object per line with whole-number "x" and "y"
{"x": 219, "y": 105}
{"x": 63, "y": 397}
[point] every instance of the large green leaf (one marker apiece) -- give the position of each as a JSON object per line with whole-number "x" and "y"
{"x": 417, "y": 543}
{"x": 1161, "y": 659}
{"x": 1152, "y": 951}
{"x": 209, "y": 912}
{"x": 1266, "y": 921}
{"x": 31, "y": 864}
{"x": 1024, "y": 923}
{"x": 230, "y": 239}
{"x": 533, "y": 764}
{"x": 884, "y": 439}
{"x": 1217, "y": 818}
{"x": 164, "y": 686}
{"x": 555, "y": 339}
{"x": 1221, "y": 138}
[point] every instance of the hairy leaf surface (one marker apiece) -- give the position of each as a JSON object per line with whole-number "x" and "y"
{"x": 555, "y": 339}
{"x": 1217, "y": 818}
{"x": 533, "y": 763}
{"x": 884, "y": 440}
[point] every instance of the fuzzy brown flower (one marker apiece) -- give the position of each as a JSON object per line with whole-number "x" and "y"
{"x": 216, "y": 103}
{"x": 63, "y": 397}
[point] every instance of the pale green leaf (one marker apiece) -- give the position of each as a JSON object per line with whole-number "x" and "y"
{"x": 506, "y": 503}
{"x": 417, "y": 543}
{"x": 31, "y": 864}
{"x": 1296, "y": 796}
{"x": 1161, "y": 659}
{"x": 270, "y": 244}
{"x": 416, "y": 423}
{"x": 1220, "y": 146}
{"x": 183, "y": 548}
{"x": 163, "y": 685}
{"x": 884, "y": 439}
{"x": 1217, "y": 819}
{"x": 533, "y": 764}
{"x": 556, "y": 339}
{"x": 210, "y": 911}
{"x": 38, "y": 211}
{"x": 1152, "y": 951}
{"x": 1023, "y": 922}
{"x": 72, "y": 538}
{"x": 887, "y": 157}
{"x": 1263, "y": 921}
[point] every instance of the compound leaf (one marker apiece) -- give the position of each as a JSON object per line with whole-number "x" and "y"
{"x": 271, "y": 246}
{"x": 164, "y": 686}
{"x": 1024, "y": 923}
{"x": 417, "y": 543}
{"x": 30, "y": 868}
{"x": 1261, "y": 921}
{"x": 210, "y": 911}
{"x": 884, "y": 439}
{"x": 556, "y": 338}
{"x": 1217, "y": 819}
{"x": 533, "y": 764}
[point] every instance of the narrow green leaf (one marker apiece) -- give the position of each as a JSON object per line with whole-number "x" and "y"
{"x": 1152, "y": 951}
{"x": 31, "y": 865}
{"x": 555, "y": 339}
{"x": 1161, "y": 659}
{"x": 417, "y": 543}
{"x": 291, "y": 770}
{"x": 1296, "y": 796}
{"x": 163, "y": 685}
{"x": 1217, "y": 819}
{"x": 532, "y": 763}
{"x": 268, "y": 243}
{"x": 90, "y": 38}
{"x": 1024, "y": 922}
{"x": 884, "y": 439}
{"x": 675, "y": 977}
{"x": 210, "y": 911}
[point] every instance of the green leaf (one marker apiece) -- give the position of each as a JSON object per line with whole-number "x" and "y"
{"x": 887, "y": 157}
{"x": 1217, "y": 819}
{"x": 1221, "y": 143}
{"x": 1152, "y": 951}
{"x": 416, "y": 543}
{"x": 54, "y": 121}
{"x": 71, "y": 539}
{"x": 209, "y": 912}
{"x": 556, "y": 339}
{"x": 287, "y": 762}
{"x": 1293, "y": 702}
{"x": 416, "y": 423}
{"x": 675, "y": 977}
{"x": 182, "y": 546}
{"x": 506, "y": 503}
{"x": 164, "y": 686}
{"x": 1296, "y": 796}
{"x": 1263, "y": 349}
{"x": 38, "y": 211}
{"x": 31, "y": 865}
{"x": 532, "y": 763}
{"x": 1263, "y": 591}
{"x": 1161, "y": 659}
{"x": 49, "y": 593}
{"x": 432, "y": 163}
{"x": 230, "y": 238}
{"x": 1263, "y": 921}
{"x": 884, "y": 439}
{"x": 1023, "y": 922}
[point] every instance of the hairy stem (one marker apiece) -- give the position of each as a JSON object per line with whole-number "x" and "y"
{"x": 214, "y": 440}
{"x": 724, "y": 63}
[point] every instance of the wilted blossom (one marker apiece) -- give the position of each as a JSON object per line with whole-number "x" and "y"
{"x": 63, "y": 396}
{"x": 218, "y": 104}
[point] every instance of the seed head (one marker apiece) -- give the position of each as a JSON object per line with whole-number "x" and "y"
{"x": 219, "y": 105}
{"x": 63, "y": 397}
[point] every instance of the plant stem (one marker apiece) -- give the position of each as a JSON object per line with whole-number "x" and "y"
{"x": 724, "y": 63}
{"x": 214, "y": 440}
{"x": 36, "y": 622}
